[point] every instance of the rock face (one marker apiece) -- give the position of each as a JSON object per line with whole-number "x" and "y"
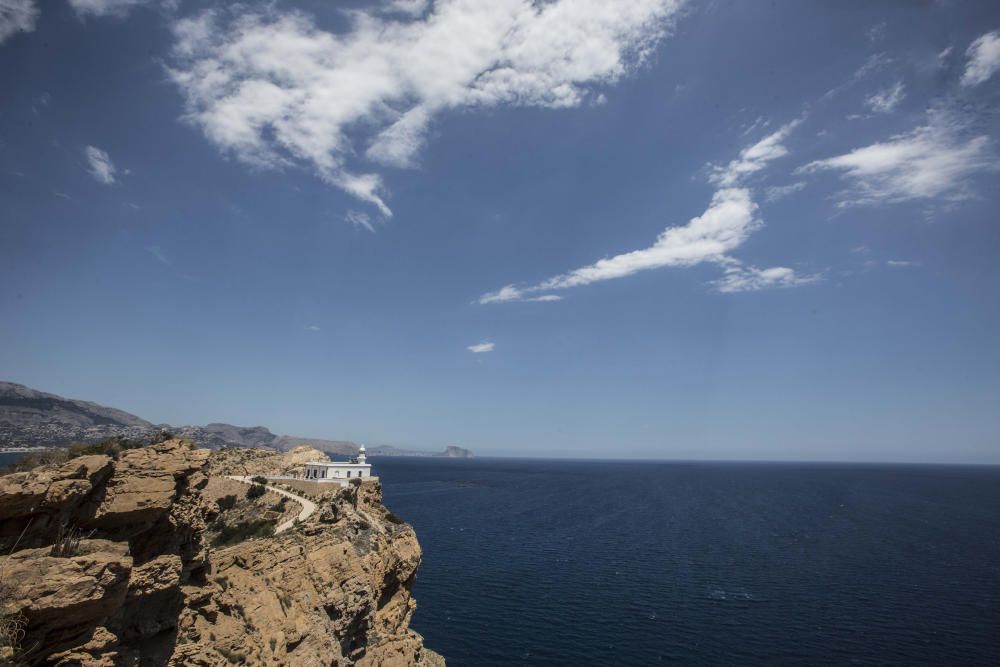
{"x": 107, "y": 565}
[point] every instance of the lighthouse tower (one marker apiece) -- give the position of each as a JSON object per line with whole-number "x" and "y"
{"x": 361, "y": 454}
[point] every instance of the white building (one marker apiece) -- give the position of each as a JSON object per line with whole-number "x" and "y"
{"x": 339, "y": 471}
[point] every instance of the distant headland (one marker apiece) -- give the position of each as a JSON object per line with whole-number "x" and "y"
{"x": 30, "y": 419}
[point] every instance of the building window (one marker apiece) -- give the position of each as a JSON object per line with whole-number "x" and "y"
{"x": 361, "y": 473}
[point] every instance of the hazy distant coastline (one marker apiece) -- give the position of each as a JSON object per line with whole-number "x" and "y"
{"x": 31, "y": 420}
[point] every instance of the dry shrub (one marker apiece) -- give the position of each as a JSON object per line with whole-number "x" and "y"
{"x": 12, "y": 624}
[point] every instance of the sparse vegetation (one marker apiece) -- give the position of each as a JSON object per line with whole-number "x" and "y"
{"x": 227, "y": 502}
{"x": 67, "y": 542}
{"x": 112, "y": 447}
{"x": 259, "y": 479}
{"x": 392, "y": 518}
{"x": 12, "y": 625}
{"x": 256, "y": 491}
{"x": 240, "y": 532}
{"x": 280, "y": 505}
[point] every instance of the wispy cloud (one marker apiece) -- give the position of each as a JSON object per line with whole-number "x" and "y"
{"x": 725, "y": 225}
{"x": 886, "y": 101}
{"x": 934, "y": 159}
{"x": 312, "y": 327}
{"x": 874, "y": 63}
{"x": 275, "y": 90}
{"x": 901, "y": 264}
{"x": 741, "y": 278}
{"x": 753, "y": 158}
{"x": 984, "y": 59}
{"x": 479, "y": 348}
{"x": 360, "y": 220}
{"x": 776, "y": 192}
{"x": 156, "y": 252}
{"x": 511, "y": 293}
{"x": 101, "y": 167}
{"x": 408, "y": 7}
{"x": 106, "y": 7}
{"x": 877, "y": 31}
{"x": 17, "y": 16}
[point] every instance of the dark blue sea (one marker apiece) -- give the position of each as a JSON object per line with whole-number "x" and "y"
{"x": 531, "y": 562}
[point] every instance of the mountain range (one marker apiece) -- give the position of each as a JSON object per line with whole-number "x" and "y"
{"x": 31, "y": 418}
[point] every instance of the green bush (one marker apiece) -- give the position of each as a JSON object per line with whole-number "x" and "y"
{"x": 259, "y": 479}
{"x": 240, "y": 532}
{"x": 280, "y": 505}
{"x": 255, "y": 491}
{"x": 226, "y": 502}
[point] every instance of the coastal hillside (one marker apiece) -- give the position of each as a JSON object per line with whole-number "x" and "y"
{"x": 144, "y": 556}
{"x": 31, "y": 418}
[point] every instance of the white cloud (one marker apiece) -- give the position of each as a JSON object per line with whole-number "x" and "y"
{"x": 741, "y": 278}
{"x": 984, "y": 59}
{"x": 886, "y": 100}
{"x": 360, "y": 219}
{"x": 776, "y": 192}
{"x": 101, "y": 167}
{"x": 901, "y": 264}
{"x": 479, "y": 348}
{"x": 104, "y": 7}
{"x": 312, "y": 327}
{"x": 511, "y": 293}
{"x": 17, "y": 16}
{"x": 727, "y": 222}
{"x": 754, "y": 158}
{"x": 506, "y": 293}
{"x": 932, "y": 160}
{"x": 724, "y": 226}
{"x": 274, "y": 90}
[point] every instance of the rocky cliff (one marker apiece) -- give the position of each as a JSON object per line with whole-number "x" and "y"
{"x": 106, "y": 562}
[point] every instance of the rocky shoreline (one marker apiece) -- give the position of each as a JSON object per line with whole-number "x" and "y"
{"x": 107, "y": 561}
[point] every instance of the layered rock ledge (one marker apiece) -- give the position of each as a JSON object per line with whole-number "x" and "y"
{"x": 106, "y": 562}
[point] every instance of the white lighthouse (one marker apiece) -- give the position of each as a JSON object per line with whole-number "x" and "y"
{"x": 340, "y": 471}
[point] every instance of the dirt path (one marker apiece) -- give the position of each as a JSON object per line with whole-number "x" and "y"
{"x": 308, "y": 506}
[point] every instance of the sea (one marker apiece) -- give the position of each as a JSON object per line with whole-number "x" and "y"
{"x": 534, "y": 562}
{"x": 545, "y": 562}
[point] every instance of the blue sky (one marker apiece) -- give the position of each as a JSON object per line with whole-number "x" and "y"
{"x": 640, "y": 229}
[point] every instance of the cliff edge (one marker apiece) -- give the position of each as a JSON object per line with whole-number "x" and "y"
{"x": 107, "y": 562}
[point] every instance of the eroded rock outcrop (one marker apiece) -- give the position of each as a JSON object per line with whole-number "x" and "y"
{"x": 108, "y": 565}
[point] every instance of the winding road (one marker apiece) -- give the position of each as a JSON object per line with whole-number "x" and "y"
{"x": 308, "y": 506}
